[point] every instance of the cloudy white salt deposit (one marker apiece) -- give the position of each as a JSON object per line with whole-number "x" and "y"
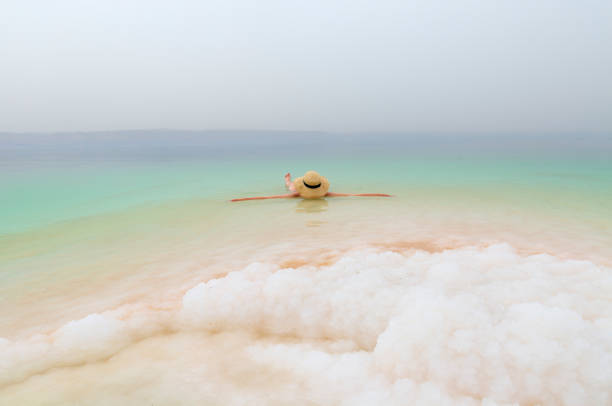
{"x": 467, "y": 326}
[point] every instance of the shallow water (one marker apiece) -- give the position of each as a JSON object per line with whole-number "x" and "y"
{"x": 486, "y": 278}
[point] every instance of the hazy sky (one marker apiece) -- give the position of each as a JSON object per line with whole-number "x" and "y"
{"x": 433, "y": 66}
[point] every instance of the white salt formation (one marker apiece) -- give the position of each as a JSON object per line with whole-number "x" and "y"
{"x": 467, "y": 326}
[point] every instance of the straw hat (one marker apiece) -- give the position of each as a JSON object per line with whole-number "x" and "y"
{"x": 311, "y": 185}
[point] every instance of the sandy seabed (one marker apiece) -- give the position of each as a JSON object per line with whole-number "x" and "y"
{"x": 461, "y": 326}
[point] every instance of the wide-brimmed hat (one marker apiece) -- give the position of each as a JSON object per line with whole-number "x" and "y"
{"x": 311, "y": 185}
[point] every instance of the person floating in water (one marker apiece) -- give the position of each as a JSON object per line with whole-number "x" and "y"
{"x": 310, "y": 186}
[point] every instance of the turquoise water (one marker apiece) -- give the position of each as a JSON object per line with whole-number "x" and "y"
{"x": 43, "y": 192}
{"x": 67, "y": 202}
{"x": 83, "y": 207}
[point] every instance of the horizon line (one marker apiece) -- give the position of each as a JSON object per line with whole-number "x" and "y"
{"x": 313, "y": 131}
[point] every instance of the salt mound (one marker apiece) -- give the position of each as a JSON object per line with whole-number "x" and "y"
{"x": 467, "y": 326}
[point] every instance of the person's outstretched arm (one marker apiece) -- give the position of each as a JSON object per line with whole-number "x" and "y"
{"x": 266, "y": 197}
{"x": 330, "y": 194}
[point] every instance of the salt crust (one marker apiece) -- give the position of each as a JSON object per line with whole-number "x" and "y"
{"x": 466, "y": 326}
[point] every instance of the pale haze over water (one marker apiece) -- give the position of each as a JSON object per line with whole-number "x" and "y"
{"x": 426, "y": 66}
